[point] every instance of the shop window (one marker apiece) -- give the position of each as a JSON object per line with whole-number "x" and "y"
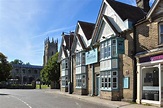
{"x": 161, "y": 33}
{"x": 150, "y": 83}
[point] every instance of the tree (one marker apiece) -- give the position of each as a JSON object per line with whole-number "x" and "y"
{"x": 5, "y": 68}
{"x": 16, "y": 61}
{"x": 20, "y": 62}
{"x": 51, "y": 71}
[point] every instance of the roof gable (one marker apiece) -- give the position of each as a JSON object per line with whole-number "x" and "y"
{"x": 126, "y": 11}
{"x": 87, "y": 28}
{"x": 156, "y": 9}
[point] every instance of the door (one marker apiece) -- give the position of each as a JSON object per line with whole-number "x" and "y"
{"x": 98, "y": 85}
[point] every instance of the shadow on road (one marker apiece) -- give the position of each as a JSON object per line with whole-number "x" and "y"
{"x": 2, "y": 94}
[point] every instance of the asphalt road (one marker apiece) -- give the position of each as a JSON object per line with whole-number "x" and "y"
{"x": 19, "y": 98}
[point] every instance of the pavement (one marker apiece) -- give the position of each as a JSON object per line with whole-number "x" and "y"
{"x": 102, "y": 102}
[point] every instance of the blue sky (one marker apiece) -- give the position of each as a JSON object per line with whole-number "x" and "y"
{"x": 25, "y": 24}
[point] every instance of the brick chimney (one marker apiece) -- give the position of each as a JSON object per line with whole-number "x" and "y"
{"x": 143, "y": 4}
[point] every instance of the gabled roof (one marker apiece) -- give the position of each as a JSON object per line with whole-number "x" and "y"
{"x": 81, "y": 41}
{"x": 87, "y": 28}
{"x": 110, "y": 24}
{"x": 126, "y": 11}
{"x": 69, "y": 40}
{"x": 156, "y": 2}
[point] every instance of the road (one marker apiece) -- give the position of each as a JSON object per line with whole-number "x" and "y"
{"x": 19, "y": 98}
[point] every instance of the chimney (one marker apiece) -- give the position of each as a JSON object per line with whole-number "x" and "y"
{"x": 143, "y": 4}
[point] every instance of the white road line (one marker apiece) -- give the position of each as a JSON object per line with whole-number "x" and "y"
{"x": 22, "y": 101}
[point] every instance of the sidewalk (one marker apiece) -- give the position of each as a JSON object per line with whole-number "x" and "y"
{"x": 103, "y": 102}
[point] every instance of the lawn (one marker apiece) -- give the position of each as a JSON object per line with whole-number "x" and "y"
{"x": 42, "y": 86}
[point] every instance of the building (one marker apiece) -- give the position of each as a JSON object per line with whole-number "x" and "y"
{"x": 50, "y": 48}
{"x": 65, "y": 60}
{"x": 25, "y": 74}
{"x": 81, "y": 42}
{"x": 149, "y": 48}
{"x": 122, "y": 59}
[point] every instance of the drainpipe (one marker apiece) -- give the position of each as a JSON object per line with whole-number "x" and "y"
{"x": 92, "y": 80}
{"x": 134, "y": 66}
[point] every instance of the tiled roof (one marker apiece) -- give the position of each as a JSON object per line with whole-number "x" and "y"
{"x": 66, "y": 37}
{"x": 126, "y": 11}
{"x": 87, "y": 28}
{"x": 80, "y": 40}
{"x": 27, "y": 66}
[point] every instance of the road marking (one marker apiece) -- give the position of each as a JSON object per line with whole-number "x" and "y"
{"x": 22, "y": 101}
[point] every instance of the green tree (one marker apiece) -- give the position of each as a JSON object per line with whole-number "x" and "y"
{"x": 5, "y": 68}
{"x": 16, "y": 61}
{"x": 51, "y": 71}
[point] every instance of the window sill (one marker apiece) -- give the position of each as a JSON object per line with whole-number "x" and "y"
{"x": 160, "y": 45}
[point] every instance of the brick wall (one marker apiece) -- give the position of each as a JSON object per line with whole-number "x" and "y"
{"x": 147, "y": 36}
{"x": 126, "y": 67}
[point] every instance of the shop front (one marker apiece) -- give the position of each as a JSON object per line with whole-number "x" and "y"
{"x": 150, "y": 80}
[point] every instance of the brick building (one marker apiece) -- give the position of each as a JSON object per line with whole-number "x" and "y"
{"x": 149, "y": 40}
{"x": 124, "y": 41}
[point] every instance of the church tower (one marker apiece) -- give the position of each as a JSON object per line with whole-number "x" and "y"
{"x": 50, "y": 48}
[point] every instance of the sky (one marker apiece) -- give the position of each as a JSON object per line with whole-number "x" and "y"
{"x": 25, "y": 24}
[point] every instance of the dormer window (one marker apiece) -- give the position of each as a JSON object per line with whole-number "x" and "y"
{"x": 161, "y": 33}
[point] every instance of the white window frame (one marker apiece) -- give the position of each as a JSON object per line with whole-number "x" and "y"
{"x": 105, "y": 84}
{"x": 114, "y": 48}
{"x": 105, "y": 50}
{"x": 80, "y": 81}
{"x": 80, "y": 58}
{"x": 160, "y": 33}
{"x": 64, "y": 81}
{"x": 64, "y": 64}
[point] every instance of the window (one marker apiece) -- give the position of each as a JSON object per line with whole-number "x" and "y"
{"x": 109, "y": 81}
{"x": 114, "y": 51}
{"x": 17, "y": 71}
{"x": 108, "y": 48}
{"x": 64, "y": 81}
{"x": 161, "y": 33}
{"x": 64, "y": 64}
{"x": 106, "y": 80}
{"x": 23, "y": 71}
{"x": 80, "y": 58}
{"x": 105, "y": 50}
{"x": 115, "y": 79}
{"x": 78, "y": 62}
{"x": 29, "y": 71}
{"x": 81, "y": 80}
{"x": 35, "y": 71}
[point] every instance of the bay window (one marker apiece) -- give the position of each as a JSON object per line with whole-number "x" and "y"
{"x": 64, "y": 81}
{"x": 108, "y": 48}
{"x": 109, "y": 80}
{"x": 80, "y": 80}
{"x": 80, "y": 59}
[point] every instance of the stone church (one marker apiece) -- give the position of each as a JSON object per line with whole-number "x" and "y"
{"x": 51, "y": 48}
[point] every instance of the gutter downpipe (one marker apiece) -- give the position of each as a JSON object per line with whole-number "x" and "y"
{"x": 134, "y": 66}
{"x": 92, "y": 80}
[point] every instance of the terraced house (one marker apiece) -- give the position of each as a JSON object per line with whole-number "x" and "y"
{"x": 120, "y": 58}
{"x": 149, "y": 47}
